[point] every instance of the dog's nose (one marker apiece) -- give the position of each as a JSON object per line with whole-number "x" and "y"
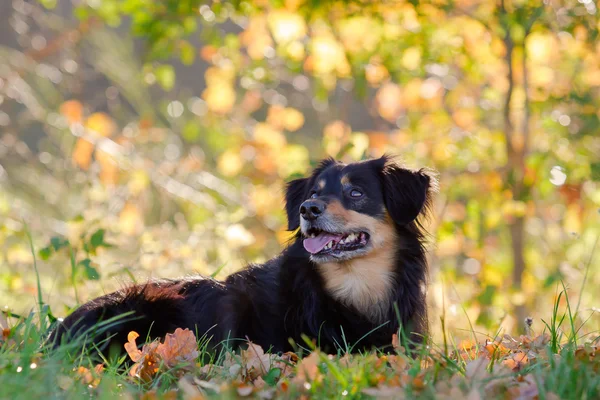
{"x": 311, "y": 209}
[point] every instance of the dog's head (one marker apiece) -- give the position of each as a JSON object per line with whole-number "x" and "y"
{"x": 346, "y": 211}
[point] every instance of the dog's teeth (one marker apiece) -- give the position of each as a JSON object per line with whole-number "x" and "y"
{"x": 351, "y": 237}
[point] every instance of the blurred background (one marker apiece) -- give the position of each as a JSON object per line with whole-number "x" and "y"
{"x": 153, "y": 139}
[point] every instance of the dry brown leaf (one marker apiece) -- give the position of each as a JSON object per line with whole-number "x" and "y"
{"x": 148, "y": 364}
{"x": 496, "y": 349}
{"x": 476, "y": 369}
{"x": 526, "y": 389}
{"x": 395, "y": 341}
{"x": 286, "y": 363}
{"x": 91, "y": 378}
{"x": 385, "y": 392}
{"x": 398, "y": 363}
{"x": 152, "y": 395}
{"x": 179, "y": 347}
{"x": 245, "y": 390}
{"x": 474, "y": 395}
{"x": 308, "y": 369}
{"x": 283, "y": 386}
{"x": 259, "y": 383}
{"x": 517, "y": 361}
{"x": 255, "y": 361}
{"x": 541, "y": 341}
{"x": 418, "y": 381}
{"x": 189, "y": 390}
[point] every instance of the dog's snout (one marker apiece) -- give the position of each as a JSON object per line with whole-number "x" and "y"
{"x": 311, "y": 209}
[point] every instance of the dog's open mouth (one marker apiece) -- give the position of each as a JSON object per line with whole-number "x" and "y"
{"x": 319, "y": 242}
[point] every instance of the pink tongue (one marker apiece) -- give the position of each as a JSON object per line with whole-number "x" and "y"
{"x": 316, "y": 244}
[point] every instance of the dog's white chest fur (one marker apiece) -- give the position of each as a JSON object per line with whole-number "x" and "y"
{"x": 364, "y": 284}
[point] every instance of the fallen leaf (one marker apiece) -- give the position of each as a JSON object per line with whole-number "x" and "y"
{"x": 255, "y": 361}
{"x": 131, "y": 347}
{"x": 308, "y": 369}
{"x": 179, "y": 347}
{"x": 517, "y": 361}
{"x": 189, "y": 390}
{"x": 259, "y": 383}
{"x": 245, "y": 390}
{"x": 395, "y": 341}
{"x": 385, "y": 392}
{"x": 476, "y": 369}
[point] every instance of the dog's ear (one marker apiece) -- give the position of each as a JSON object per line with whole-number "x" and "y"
{"x": 406, "y": 192}
{"x": 294, "y": 197}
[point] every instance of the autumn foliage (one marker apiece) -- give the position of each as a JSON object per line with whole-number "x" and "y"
{"x": 504, "y": 367}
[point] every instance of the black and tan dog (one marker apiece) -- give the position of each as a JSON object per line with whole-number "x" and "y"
{"x": 354, "y": 272}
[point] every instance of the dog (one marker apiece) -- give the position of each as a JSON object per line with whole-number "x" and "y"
{"x": 354, "y": 272}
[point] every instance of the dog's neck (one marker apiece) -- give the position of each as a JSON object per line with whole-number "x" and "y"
{"x": 366, "y": 283}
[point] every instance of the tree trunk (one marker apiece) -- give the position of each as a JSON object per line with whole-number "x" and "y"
{"x": 516, "y": 149}
{"x": 517, "y": 236}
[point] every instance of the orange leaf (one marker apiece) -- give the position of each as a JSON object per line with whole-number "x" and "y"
{"x": 72, "y": 110}
{"x": 179, "y": 347}
{"x": 82, "y": 153}
{"x": 109, "y": 172}
{"x": 131, "y": 346}
{"x": 395, "y": 341}
{"x": 517, "y": 361}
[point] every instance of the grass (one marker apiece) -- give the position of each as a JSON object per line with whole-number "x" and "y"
{"x": 556, "y": 363}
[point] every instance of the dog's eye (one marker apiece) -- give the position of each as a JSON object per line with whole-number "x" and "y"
{"x": 313, "y": 195}
{"x": 355, "y": 193}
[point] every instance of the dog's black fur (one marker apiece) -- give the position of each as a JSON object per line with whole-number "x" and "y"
{"x": 275, "y": 303}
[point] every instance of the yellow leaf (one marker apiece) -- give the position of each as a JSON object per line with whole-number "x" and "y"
{"x": 286, "y": 26}
{"x": 266, "y": 135}
{"x": 389, "y": 101}
{"x": 376, "y": 73}
{"x": 335, "y": 135}
{"x": 230, "y": 163}
{"x": 360, "y": 33}
{"x": 328, "y": 56}
{"x": 411, "y": 58}
{"x": 295, "y": 50}
{"x": 130, "y": 220}
{"x": 101, "y": 124}
{"x": 238, "y": 236}
{"x": 109, "y": 170}
{"x": 219, "y": 97}
{"x": 292, "y": 119}
{"x": 138, "y": 181}
{"x": 256, "y": 37}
